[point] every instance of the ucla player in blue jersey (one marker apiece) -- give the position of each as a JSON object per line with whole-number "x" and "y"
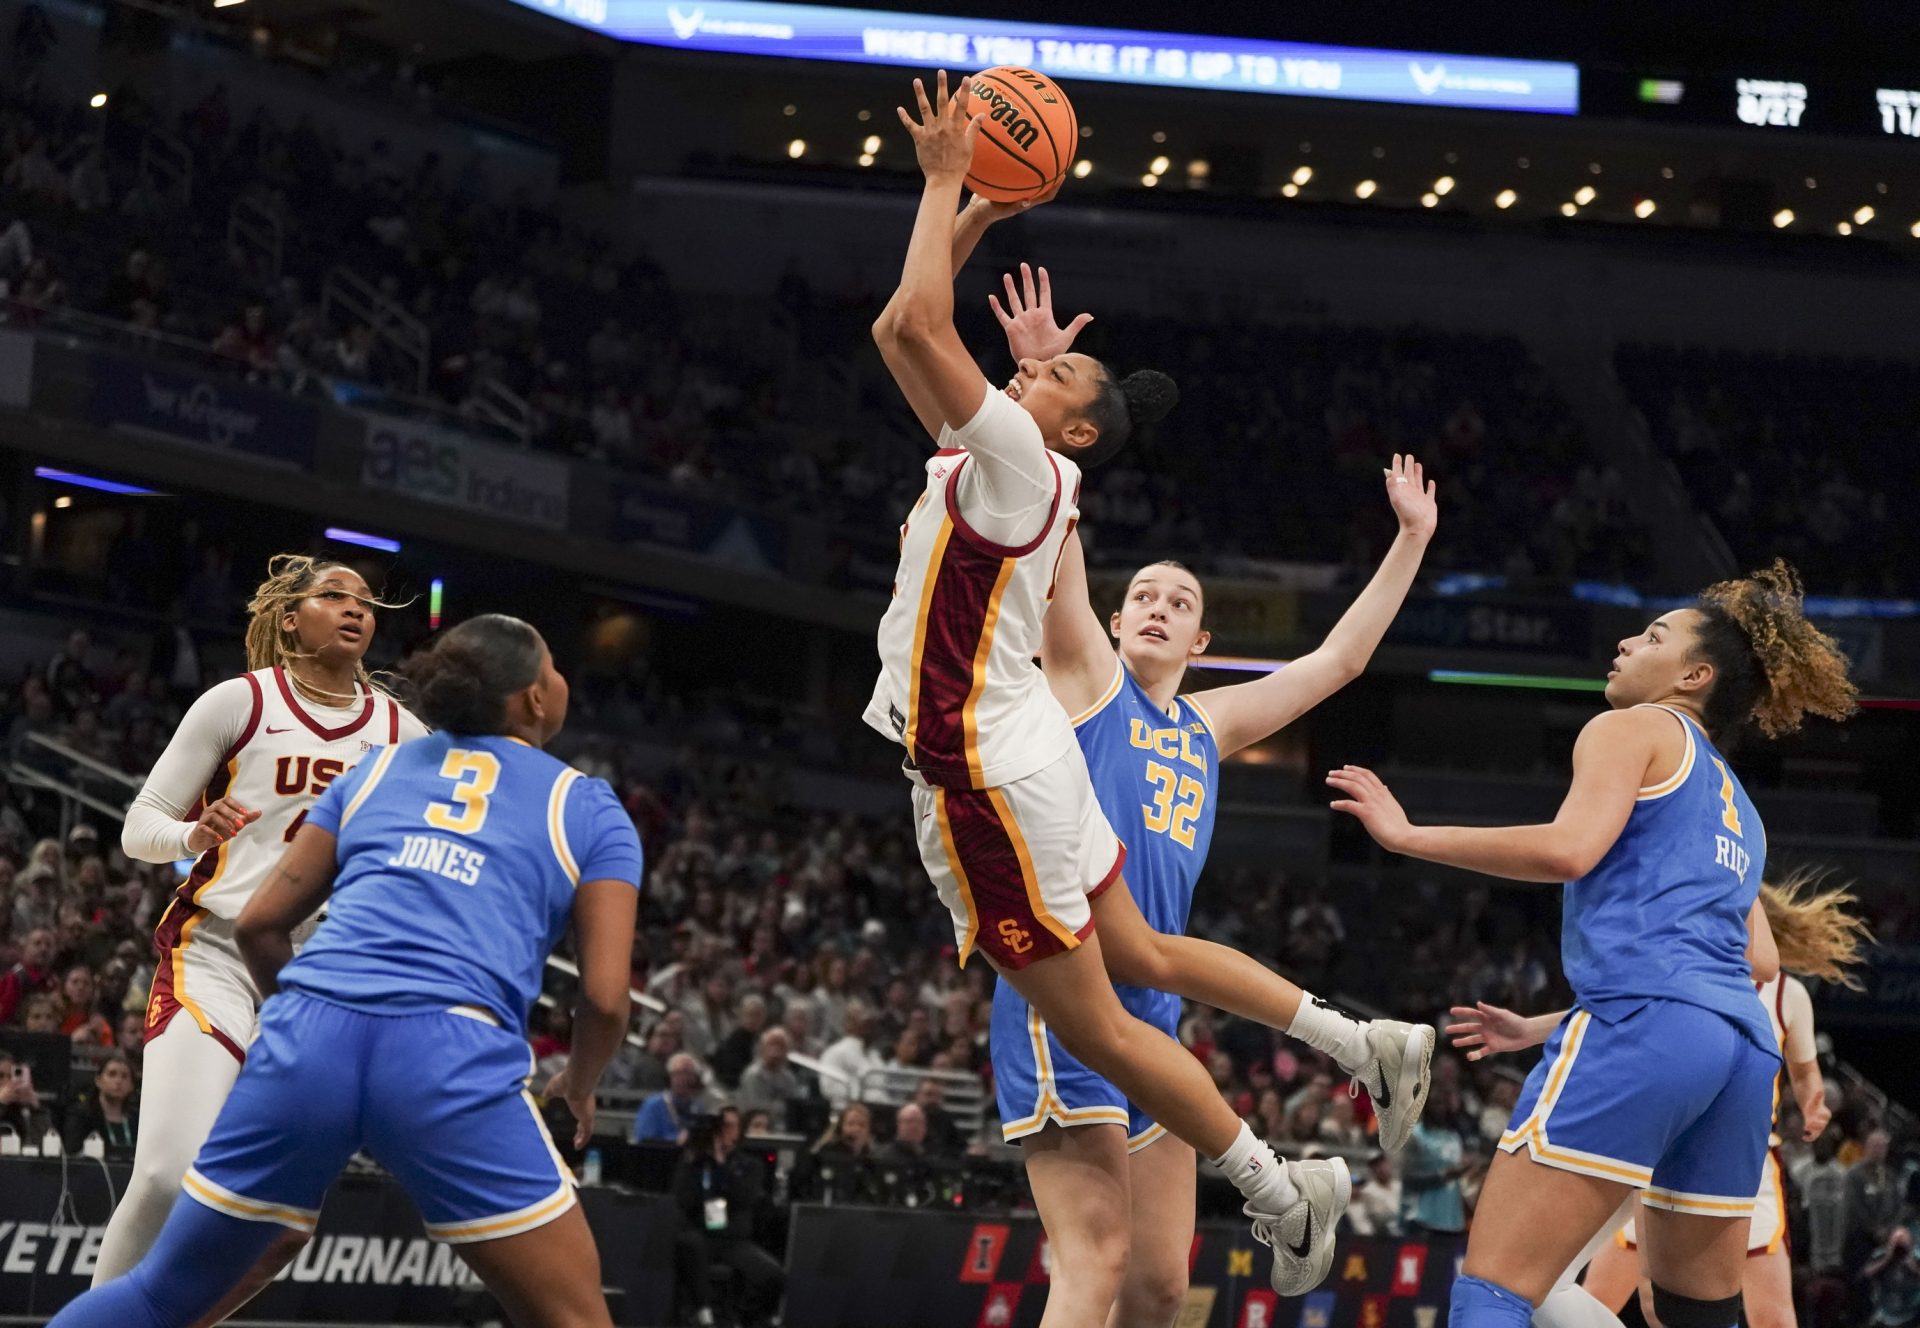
{"x": 1115, "y": 1191}
{"x": 1662, "y": 1078}
{"x": 451, "y": 866}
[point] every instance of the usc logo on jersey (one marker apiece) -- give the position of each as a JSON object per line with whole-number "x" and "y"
{"x": 295, "y": 776}
{"x": 1017, "y": 938}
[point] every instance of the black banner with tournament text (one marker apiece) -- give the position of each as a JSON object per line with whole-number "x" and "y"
{"x": 369, "y": 1262}
{"x": 880, "y": 1268}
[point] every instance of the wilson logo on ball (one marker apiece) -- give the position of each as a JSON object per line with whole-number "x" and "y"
{"x": 1029, "y": 138}
{"x": 1002, "y": 112}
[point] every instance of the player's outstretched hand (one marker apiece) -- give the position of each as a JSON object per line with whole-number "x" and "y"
{"x": 943, "y": 135}
{"x": 579, "y": 1100}
{"x": 1033, "y": 332}
{"x": 1001, "y": 211}
{"x": 222, "y": 820}
{"x": 1413, "y": 496}
{"x": 1487, "y": 1030}
{"x": 1817, "y": 1114}
{"x": 1368, "y": 800}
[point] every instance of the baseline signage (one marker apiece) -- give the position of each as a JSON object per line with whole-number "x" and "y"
{"x": 1105, "y": 55}
{"x": 369, "y": 1262}
{"x": 204, "y": 408}
{"x": 881, "y": 1268}
{"x": 653, "y": 514}
{"x": 423, "y": 461}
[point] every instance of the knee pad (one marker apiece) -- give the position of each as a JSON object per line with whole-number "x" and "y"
{"x": 1677, "y": 1311}
{"x": 1478, "y": 1303}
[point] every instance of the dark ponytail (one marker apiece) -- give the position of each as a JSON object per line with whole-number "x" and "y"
{"x": 1143, "y": 397}
{"x": 462, "y": 684}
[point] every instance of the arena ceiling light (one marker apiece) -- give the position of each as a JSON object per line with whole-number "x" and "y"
{"x": 871, "y": 145}
{"x": 1845, "y": 228}
{"x": 1292, "y": 190}
{"x": 1862, "y": 216}
{"x": 1784, "y": 218}
{"x": 1082, "y": 169}
{"x": 866, "y": 159}
{"x": 1584, "y": 195}
{"x": 1366, "y": 189}
{"x": 1568, "y": 209}
{"x": 93, "y": 482}
{"x": 1302, "y": 174}
{"x": 1160, "y": 164}
{"x": 1443, "y": 186}
{"x": 1149, "y": 179}
{"x": 1644, "y": 208}
{"x": 98, "y": 100}
{"x": 343, "y": 536}
{"x": 1505, "y": 199}
{"x": 797, "y": 149}
{"x": 1429, "y": 199}
{"x": 1914, "y": 230}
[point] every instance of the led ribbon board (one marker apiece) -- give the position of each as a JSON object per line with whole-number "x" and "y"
{"x": 1106, "y": 55}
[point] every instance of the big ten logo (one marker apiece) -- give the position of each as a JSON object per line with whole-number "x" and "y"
{"x": 1040, "y": 1267}
{"x": 296, "y": 775}
{"x": 1000, "y": 1306}
{"x": 1373, "y": 1312}
{"x": 984, "y": 1248}
{"x": 1409, "y": 1266}
{"x": 411, "y": 463}
{"x": 1356, "y": 1268}
{"x": 1424, "y": 1316}
{"x": 1316, "y": 1310}
{"x": 1239, "y": 1263}
{"x": 1015, "y": 937}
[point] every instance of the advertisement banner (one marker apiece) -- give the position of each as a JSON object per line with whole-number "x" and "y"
{"x": 655, "y": 514}
{"x": 1069, "y": 52}
{"x": 16, "y": 368}
{"x": 434, "y": 465}
{"x": 369, "y": 1262}
{"x": 205, "y": 408}
{"x": 881, "y": 1267}
{"x": 1536, "y": 627}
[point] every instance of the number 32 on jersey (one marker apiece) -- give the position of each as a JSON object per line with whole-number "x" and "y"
{"x": 1178, "y": 797}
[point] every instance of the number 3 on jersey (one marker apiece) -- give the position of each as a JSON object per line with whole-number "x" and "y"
{"x": 1165, "y": 815}
{"x": 476, "y": 773}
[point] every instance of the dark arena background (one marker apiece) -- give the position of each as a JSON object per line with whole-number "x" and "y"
{"x": 561, "y": 308}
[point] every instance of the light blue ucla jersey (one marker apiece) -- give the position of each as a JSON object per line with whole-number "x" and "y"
{"x": 459, "y": 857}
{"x": 1664, "y": 914}
{"x": 1154, "y": 775}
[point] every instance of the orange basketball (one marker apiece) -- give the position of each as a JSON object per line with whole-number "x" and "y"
{"x": 1030, "y": 136}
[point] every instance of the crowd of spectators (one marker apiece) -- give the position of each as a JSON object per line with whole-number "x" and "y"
{"x": 1795, "y": 455}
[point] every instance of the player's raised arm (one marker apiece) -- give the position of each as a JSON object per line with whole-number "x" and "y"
{"x": 1247, "y": 712}
{"x": 1075, "y": 650}
{"x": 1610, "y": 765}
{"x": 915, "y": 332}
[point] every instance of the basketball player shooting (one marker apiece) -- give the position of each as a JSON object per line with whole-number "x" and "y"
{"x": 1008, "y": 825}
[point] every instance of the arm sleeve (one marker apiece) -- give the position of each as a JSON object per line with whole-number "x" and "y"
{"x": 601, "y": 834}
{"x": 1009, "y": 480}
{"x": 1797, "y": 1015}
{"x": 157, "y": 827}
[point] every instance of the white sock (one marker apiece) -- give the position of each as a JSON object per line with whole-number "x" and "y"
{"x": 1573, "y": 1307}
{"x": 1261, "y": 1176}
{"x": 1324, "y": 1028}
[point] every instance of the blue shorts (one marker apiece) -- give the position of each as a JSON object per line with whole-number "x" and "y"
{"x": 437, "y": 1099}
{"x": 1038, "y": 1081}
{"x": 1673, "y": 1099}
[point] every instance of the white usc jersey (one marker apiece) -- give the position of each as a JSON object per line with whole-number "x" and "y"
{"x": 288, "y": 752}
{"x": 958, "y": 685}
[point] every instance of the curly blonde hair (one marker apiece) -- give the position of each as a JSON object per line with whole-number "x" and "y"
{"x": 1772, "y": 667}
{"x": 1819, "y": 934}
{"x": 291, "y": 577}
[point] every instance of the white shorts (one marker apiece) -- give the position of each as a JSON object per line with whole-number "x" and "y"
{"x": 200, "y": 972}
{"x": 1769, "y": 1230}
{"x": 1018, "y": 866}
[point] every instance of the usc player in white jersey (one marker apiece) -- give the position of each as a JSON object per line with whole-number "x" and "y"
{"x": 250, "y": 756}
{"x": 1008, "y": 825}
{"x": 1816, "y": 934}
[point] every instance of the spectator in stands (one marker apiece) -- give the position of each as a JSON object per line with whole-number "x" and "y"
{"x": 1873, "y": 1194}
{"x": 770, "y": 1083}
{"x": 845, "y": 1064}
{"x": 81, "y": 1021}
{"x": 1821, "y": 1183}
{"x": 735, "y": 1052}
{"x": 1892, "y": 1277}
{"x": 1377, "y": 1199}
{"x": 32, "y": 975}
{"x": 134, "y": 284}
{"x": 21, "y": 1109}
{"x": 1434, "y": 1164}
{"x": 130, "y": 1037}
{"x": 645, "y": 1070}
{"x": 108, "y": 1111}
{"x": 664, "y": 1117}
{"x": 43, "y": 1012}
{"x": 798, "y": 1024}
{"x": 909, "y": 1142}
{"x": 943, "y": 1132}
{"x": 707, "y": 1020}
{"x": 719, "y": 1194}
{"x": 831, "y": 1170}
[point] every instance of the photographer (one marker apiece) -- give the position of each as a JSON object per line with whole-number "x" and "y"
{"x": 834, "y": 1170}
{"x": 21, "y": 1109}
{"x": 719, "y": 1194}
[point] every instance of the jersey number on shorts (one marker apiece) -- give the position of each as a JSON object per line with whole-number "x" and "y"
{"x": 1177, "y": 800}
{"x": 477, "y": 773}
{"x": 1728, "y": 816}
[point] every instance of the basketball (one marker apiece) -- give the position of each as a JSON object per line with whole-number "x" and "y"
{"x": 1029, "y": 138}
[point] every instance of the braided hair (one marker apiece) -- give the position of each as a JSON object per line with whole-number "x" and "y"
{"x": 291, "y": 577}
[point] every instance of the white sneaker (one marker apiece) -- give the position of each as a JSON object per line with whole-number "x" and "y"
{"x": 1396, "y": 1076}
{"x": 1302, "y": 1237}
